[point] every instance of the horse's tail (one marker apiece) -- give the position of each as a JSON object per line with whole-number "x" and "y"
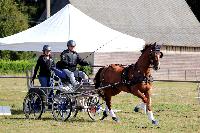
{"x": 97, "y": 80}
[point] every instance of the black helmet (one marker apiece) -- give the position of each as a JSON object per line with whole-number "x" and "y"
{"x": 71, "y": 43}
{"x": 46, "y": 47}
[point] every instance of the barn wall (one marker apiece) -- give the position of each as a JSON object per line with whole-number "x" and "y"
{"x": 124, "y": 58}
{"x": 181, "y": 50}
{"x": 174, "y": 65}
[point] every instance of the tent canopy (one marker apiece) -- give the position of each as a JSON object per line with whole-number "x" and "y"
{"x": 70, "y": 23}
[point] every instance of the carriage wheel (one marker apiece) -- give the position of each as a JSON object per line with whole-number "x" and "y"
{"x": 61, "y": 108}
{"x": 96, "y": 108}
{"x": 33, "y": 106}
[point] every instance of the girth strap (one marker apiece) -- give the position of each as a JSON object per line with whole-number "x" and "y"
{"x": 124, "y": 75}
{"x": 140, "y": 79}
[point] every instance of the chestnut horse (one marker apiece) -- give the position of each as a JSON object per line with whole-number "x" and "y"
{"x": 135, "y": 79}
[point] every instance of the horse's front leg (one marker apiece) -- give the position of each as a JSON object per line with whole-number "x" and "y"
{"x": 141, "y": 95}
{"x": 149, "y": 109}
{"x": 141, "y": 106}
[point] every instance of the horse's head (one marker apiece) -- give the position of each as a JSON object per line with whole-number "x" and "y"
{"x": 154, "y": 54}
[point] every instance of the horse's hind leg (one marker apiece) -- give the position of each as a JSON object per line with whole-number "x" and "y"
{"x": 105, "y": 113}
{"x": 112, "y": 114}
{"x": 108, "y": 108}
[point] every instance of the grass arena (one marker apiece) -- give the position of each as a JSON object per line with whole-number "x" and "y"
{"x": 175, "y": 104}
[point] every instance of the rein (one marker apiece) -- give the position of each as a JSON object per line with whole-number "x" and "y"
{"x": 101, "y": 46}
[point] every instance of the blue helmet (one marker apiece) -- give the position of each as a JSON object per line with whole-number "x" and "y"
{"x": 71, "y": 43}
{"x": 46, "y": 47}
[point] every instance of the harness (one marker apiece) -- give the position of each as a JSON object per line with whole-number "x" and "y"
{"x": 135, "y": 78}
{"x": 126, "y": 80}
{"x": 131, "y": 75}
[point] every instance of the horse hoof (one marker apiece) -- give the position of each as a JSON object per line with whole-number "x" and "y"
{"x": 104, "y": 115}
{"x": 155, "y": 122}
{"x": 115, "y": 119}
{"x": 136, "y": 109}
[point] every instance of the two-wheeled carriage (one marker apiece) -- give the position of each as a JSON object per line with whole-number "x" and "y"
{"x": 61, "y": 101}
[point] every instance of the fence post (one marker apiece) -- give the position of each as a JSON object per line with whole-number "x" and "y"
{"x": 27, "y": 79}
{"x": 168, "y": 73}
{"x": 185, "y": 75}
{"x": 196, "y": 75}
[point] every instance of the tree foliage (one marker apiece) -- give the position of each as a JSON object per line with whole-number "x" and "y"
{"x": 11, "y": 19}
{"x": 195, "y": 5}
{"x": 32, "y": 9}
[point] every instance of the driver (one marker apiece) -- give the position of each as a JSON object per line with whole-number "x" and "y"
{"x": 69, "y": 60}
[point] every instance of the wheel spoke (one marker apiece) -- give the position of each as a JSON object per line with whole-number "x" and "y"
{"x": 32, "y": 106}
{"x": 62, "y": 109}
{"x": 95, "y": 110}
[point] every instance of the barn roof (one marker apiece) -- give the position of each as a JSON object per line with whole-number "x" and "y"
{"x": 167, "y": 21}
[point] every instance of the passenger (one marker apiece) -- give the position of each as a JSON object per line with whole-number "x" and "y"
{"x": 69, "y": 60}
{"x": 44, "y": 63}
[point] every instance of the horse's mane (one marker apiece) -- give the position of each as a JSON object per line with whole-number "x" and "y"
{"x": 146, "y": 46}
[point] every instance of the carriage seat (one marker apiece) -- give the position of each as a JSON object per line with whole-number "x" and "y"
{"x": 65, "y": 79}
{"x": 62, "y": 75}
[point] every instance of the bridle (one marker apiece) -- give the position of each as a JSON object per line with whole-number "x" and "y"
{"x": 154, "y": 57}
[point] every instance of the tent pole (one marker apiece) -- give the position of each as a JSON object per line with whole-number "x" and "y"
{"x": 48, "y": 8}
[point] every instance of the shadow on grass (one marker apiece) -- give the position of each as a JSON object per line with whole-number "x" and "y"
{"x": 18, "y": 114}
{"x": 18, "y": 118}
{"x": 70, "y": 120}
{"x": 131, "y": 112}
{"x": 17, "y": 111}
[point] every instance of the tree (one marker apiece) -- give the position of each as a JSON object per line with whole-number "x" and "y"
{"x": 195, "y": 5}
{"x": 11, "y": 19}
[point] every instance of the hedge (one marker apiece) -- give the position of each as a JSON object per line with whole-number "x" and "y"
{"x": 86, "y": 69}
{"x": 20, "y": 66}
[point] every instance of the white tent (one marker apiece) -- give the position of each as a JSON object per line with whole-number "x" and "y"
{"x": 70, "y": 23}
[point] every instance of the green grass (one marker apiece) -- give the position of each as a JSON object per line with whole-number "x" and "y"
{"x": 174, "y": 105}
